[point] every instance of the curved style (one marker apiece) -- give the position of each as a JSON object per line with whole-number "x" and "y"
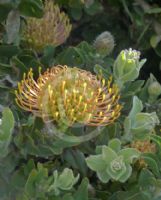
{"x": 69, "y": 95}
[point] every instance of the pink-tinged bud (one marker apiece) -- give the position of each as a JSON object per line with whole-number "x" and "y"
{"x": 52, "y": 29}
{"x": 104, "y": 43}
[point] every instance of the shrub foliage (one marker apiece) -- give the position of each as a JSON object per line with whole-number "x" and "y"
{"x": 80, "y": 103}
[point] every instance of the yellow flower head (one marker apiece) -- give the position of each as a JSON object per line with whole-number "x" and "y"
{"x": 69, "y": 95}
{"x": 52, "y": 29}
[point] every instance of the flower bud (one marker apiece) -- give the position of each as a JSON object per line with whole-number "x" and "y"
{"x": 127, "y": 66}
{"x": 154, "y": 89}
{"x": 52, "y": 29}
{"x": 104, "y": 43}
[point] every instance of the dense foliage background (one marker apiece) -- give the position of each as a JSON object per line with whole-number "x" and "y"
{"x": 36, "y": 165}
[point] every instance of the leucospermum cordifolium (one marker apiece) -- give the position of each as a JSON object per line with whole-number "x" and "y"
{"x": 70, "y": 95}
{"x": 52, "y": 29}
{"x": 86, "y": 124}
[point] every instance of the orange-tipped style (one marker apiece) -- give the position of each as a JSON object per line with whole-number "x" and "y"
{"x": 69, "y": 95}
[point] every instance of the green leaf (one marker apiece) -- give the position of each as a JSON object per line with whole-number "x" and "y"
{"x": 154, "y": 40}
{"x": 143, "y": 124}
{"x": 32, "y": 8}
{"x": 127, "y": 127}
{"x": 136, "y": 108}
{"x": 131, "y": 88}
{"x": 66, "y": 179}
{"x": 145, "y": 178}
{"x": 30, "y": 184}
{"x": 7, "y": 124}
{"x": 29, "y": 167}
{"x": 76, "y": 159}
{"x": 126, "y": 175}
{"x": 8, "y": 50}
{"x": 101, "y": 71}
{"x": 108, "y": 154}
{"x": 65, "y": 197}
{"x": 4, "y": 70}
{"x": 48, "y": 56}
{"x": 6, "y": 129}
{"x": 82, "y": 192}
{"x": 115, "y": 144}
{"x": 34, "y": 179}
{"x": 157, "y": 140}
{"x": 134, "y": 194}
{"x": 151, "y": 164}
{"x": 20, "y": 65}
{"x": 74, "y": 3}
{"x": 12, "y": 26}
{"x": 4, "y": 10}
{"x": 153, "y": 11}
{"x": 76, "y": 13}
{"x": 96, "y": 163}
{"x": 71, "y": 56}
{"x": 129, "y": 154}
{"x": 94, "y": 8}
{"x": 103, "y": 176}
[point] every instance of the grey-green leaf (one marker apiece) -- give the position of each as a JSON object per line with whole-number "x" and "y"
{"x": 12, "y": 26}
{"x": 136, "y": 108}
{"x": 103, "y": 176}
{"x": 6, "y": 129}
{"x": 115, "y": 144}
{"x": 96, "y": 163}
{"x": 129, "y": 154}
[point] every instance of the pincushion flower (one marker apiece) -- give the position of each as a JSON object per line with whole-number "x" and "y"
{"x": 52, "y": 29}
{"x": 69, "y": 95}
